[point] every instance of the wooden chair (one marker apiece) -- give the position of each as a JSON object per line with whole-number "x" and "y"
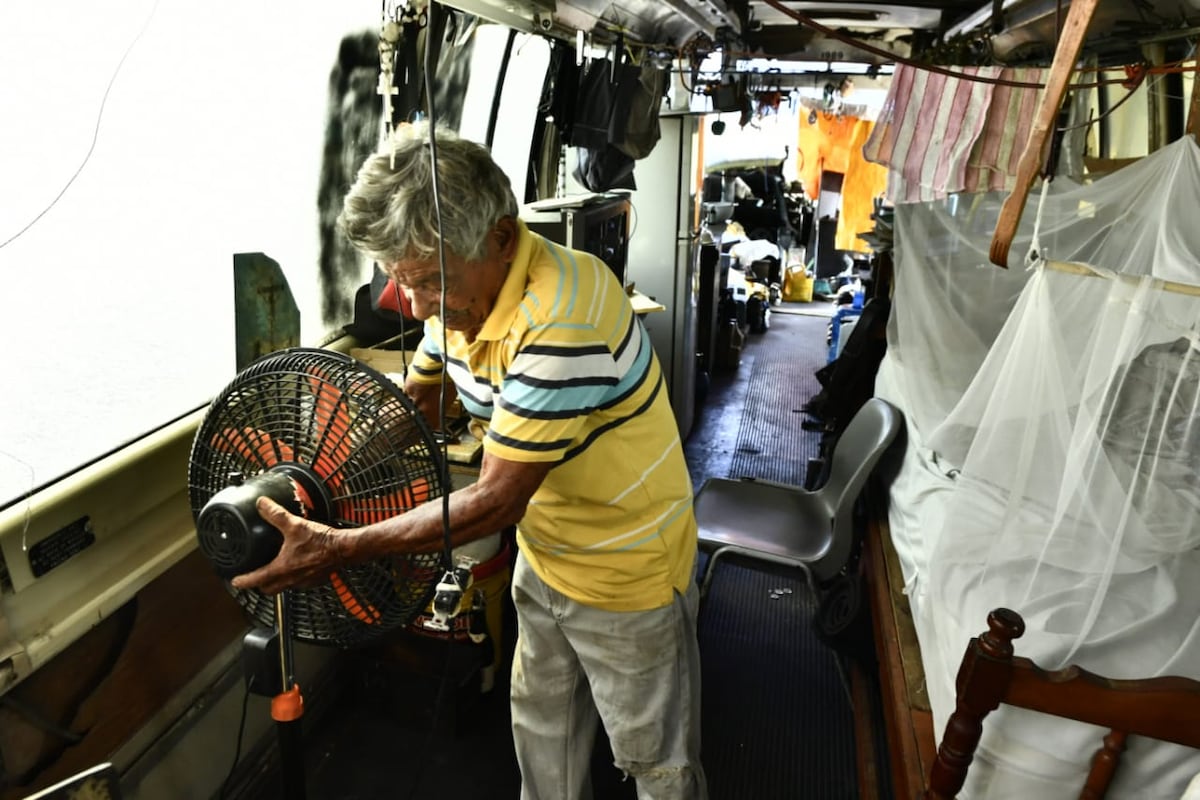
{"x": 1165, "y": 708}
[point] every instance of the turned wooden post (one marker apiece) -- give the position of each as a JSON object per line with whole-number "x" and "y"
{"x": 982, "y": 683}
{"x": 1104, "y": 766}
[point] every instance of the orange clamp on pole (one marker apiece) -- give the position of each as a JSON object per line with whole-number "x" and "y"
{"x": 288, "y": 706}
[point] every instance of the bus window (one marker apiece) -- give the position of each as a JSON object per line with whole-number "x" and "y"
{"x": 155, "y": 140}
{"x": 519, "y": 107}
{"x": 519, "y": 97}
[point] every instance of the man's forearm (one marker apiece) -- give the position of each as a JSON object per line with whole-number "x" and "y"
{"x": 475, "y": 511}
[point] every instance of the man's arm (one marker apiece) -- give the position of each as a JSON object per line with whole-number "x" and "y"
{"x": 311, "y": 550}
{"x": 425, "y": 398}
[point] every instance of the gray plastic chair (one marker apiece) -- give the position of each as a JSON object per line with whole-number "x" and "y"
{"x": 785, "y": 524}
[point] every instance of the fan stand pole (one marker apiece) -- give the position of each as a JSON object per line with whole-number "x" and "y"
{"x": 287, "y": 709}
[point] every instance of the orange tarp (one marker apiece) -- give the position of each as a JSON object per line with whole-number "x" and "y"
{"x": 835, "y": 143}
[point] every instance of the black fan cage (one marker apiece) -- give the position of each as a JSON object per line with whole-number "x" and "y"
{"x": 361, "y": 437}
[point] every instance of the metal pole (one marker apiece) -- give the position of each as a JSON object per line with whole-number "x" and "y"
{"x": 287, "y": 709}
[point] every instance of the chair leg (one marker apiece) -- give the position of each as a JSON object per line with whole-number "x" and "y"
{"x": 844, "y": 677}
{"x": 842, "y": 669}
{"x": 709, "y": 568}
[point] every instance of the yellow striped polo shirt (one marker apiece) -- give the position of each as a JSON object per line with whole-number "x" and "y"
{"x": 564, "y": 371}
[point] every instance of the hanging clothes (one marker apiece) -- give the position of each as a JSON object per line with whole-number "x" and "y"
{"x": 864, "y": 182}
{"x": 939, "y": 135}
{"x": 834, "y": 143}
{"x": 616, "y": 121}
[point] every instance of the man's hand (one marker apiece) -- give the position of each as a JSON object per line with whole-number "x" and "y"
{"x": 306, "y": 559}
{"x": 425, "y": 397}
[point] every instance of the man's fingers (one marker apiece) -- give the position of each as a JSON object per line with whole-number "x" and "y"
{"x": 268, "y": 509}
{"x": 252, "y": 580}
{"x": 271, "y": 580}
{"x": 301, "y": 561}
{"x": 276, "y": 515}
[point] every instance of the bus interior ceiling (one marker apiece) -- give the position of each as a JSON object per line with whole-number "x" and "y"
{"x": 1010, "y": 32}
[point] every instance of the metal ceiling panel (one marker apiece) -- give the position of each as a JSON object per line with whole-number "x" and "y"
{"x": 855, "y": 16}
{"x": 939, "y": 31}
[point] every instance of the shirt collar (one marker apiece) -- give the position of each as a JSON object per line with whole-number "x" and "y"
{"x": 499, "y": 322}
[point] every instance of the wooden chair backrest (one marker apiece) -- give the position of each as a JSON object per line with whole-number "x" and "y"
{"x": 1165, "y": 708}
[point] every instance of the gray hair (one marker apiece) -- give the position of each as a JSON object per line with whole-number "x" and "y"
{"x": 389, "y": 213}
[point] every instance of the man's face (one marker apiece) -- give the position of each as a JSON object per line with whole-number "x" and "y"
{"x": 471, "y": 287}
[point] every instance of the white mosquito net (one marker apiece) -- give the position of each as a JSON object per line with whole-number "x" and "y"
{"x": 1054, "y": 421}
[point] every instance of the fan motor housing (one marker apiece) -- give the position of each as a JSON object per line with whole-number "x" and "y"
{"x": 232, "y": 534}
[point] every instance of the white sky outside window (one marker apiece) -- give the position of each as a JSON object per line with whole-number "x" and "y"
{"x": 519, "y": 98}
{"x": 518, "y": 108}
{"x": 117, "y": 304}
{"x": 486, "y": 54}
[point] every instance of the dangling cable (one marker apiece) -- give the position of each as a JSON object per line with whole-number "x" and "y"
{"x": 403, "y": 343}
{"x": 454, "y": 581}
{"x": 95, "y": 132}
{"x": 237, "y": 747}
{"x": 447, "y": 554}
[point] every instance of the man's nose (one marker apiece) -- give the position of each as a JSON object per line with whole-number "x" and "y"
{"x": 424, "y": 304}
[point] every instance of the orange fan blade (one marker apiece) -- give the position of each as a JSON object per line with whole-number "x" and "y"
{"x": 367, "y": 510}
{"x": 253, "y": 445}
{"x": 365, "y": 613}
{"x": 332, "y": 431}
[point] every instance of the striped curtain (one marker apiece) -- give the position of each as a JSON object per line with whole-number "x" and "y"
{"x": 938, "y": 135}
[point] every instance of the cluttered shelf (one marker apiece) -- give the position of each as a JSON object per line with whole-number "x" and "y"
{"x": 643, "y": 304}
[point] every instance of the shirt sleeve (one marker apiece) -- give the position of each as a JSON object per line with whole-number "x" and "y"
{"x": 427, "y": 362}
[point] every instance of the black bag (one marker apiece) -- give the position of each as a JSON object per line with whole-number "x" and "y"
{"x": 604, "y": 169}
{"x": 849, "y": 381}
{"x": 598, "y": 96}
{"x": 615, "y": 122}
{"x": 633, "y": 128}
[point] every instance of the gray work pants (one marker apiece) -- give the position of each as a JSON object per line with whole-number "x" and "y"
{"x": 639, "y": 671}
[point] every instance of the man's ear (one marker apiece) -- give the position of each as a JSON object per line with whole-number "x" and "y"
{"x": 505, "y": 234}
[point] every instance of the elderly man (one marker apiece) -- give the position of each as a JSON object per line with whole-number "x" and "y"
{"x": 582, "y": 454}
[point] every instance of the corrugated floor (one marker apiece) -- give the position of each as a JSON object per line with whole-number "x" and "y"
{"x": 777, "y": 722}
{"x": 782, "y": 362}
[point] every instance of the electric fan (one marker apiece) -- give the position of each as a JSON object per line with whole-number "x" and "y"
{"x": 334, "y": 441}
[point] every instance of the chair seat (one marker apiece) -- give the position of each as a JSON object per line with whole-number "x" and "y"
{"x": 780, "y": 520}
{"x": 786, "y": 524}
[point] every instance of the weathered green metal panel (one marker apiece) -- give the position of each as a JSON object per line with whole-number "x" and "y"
{"x": 266, "y": 318}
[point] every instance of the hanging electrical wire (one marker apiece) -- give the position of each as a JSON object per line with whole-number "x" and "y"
{"x": 809, "y": 22}
{"x": 428, "y": 69}
{"x": 95, "y": 132}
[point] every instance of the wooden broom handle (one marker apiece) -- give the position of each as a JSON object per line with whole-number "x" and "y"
{"x": 1070, "y": 42}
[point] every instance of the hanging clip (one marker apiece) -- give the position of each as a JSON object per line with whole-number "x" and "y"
{"x": 1134, "y": 75}
{"x": 448, "y": 596}
{"x": 389, "y": 37}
